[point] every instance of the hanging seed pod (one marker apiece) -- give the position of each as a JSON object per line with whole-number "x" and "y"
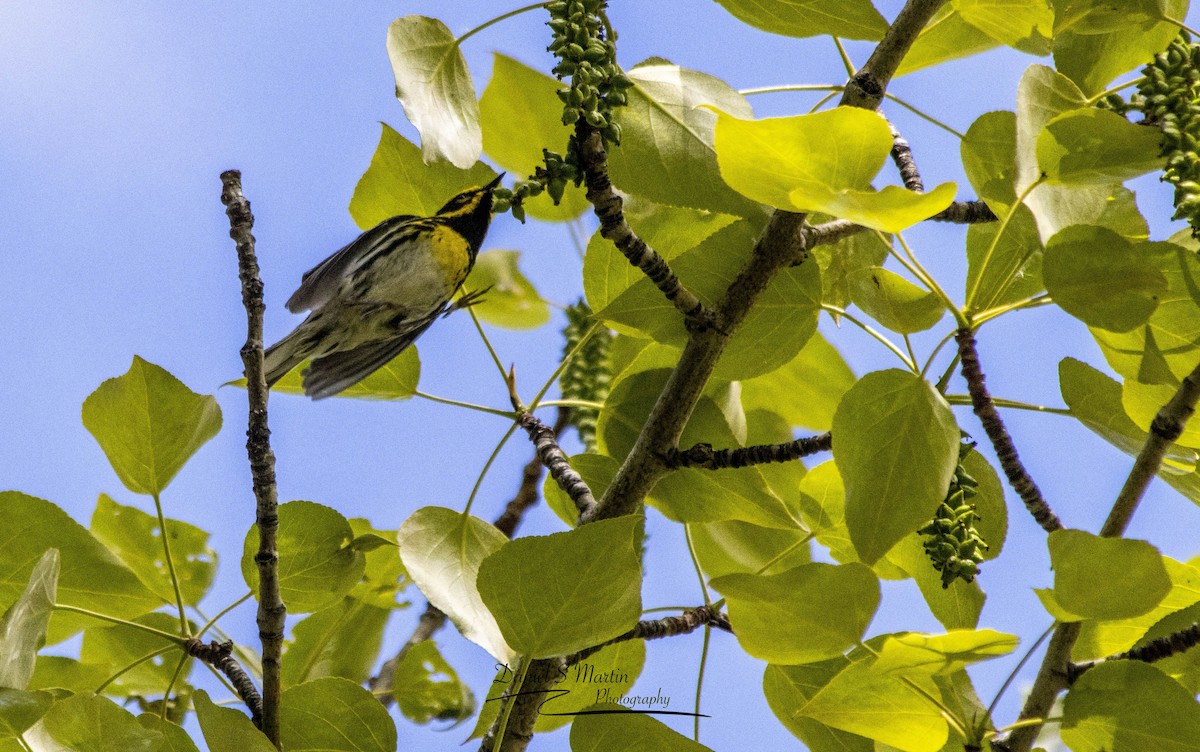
{"x": 588, "y": 375}
{"x": 955, "y": 546}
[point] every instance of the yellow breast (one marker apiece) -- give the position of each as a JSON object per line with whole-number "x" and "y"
{"x": 451, "y": 254}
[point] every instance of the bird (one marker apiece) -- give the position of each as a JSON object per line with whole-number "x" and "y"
{"x": 374, "y": 297}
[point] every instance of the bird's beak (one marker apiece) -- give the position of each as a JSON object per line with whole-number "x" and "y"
{"x": 492, "y": 185}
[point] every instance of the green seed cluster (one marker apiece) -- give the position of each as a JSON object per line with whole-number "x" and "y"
{"x": 1169, "y": 97}
{"x": 551, "y": 178}
{"x": 955, "y": 547}
{"x": 588, "y": 56}
{"x": 588, "y": 375}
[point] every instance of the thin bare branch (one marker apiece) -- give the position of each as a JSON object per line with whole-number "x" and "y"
{"x": 271, "y": 610}
{"x": 219, "y": 655}
{"x": 704, "y": 456}
{"x": 653, "y": 629}
{"x": 1155, "y": 650}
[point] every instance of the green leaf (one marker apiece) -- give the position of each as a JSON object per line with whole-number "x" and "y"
{"x": 512, "y": 302}
{"x": 58, "y": 672}
{"x": 1091, "y": 146}
{"x": 806, "y": 614}
{"x": 442, "y": 550}
{"x": 135, "y": 538}
{"x": 1166, "y": 348}
{"x": 1095, "y": 401}
{"x": 19, "y": 710}
{"x": 596, "y": 470}
{"x": 806, "y": 390}
{"x": 627, "y": 732}
{"x": 1106, "y": 578}
{"x": 175, "y": 739}
{"x": 789, "y": 687}
{"x": 605, "y": 676}
{"x": 316, "y": 565}
{"x": 1129, "y": 36}
{"x": 1042, "y": 95}
{"x": 1142, "y": 403}
{"x": 957, "y": 606}
{"x": 896, "y": 448}
{"x": 1104, "y": 280}
{"x": 845, "y": 257}
{"x": 341, "y": 640}
{"x": 148, "y": 424}
{"x": 521, "y": 115}
{"x": 687, "y": 494}
{"x": 1129, "y": 706}
{"x": 1010, "y": 22}
{"x": 226, "y": 729}
{"x": 426, "y": 687}
{"x": 542, "y": 589}
{"x": 1183, "y": 667}
{"x": 893, "y": 301}
{"x": 119, "y": 647}
{"x": 947, "y": 36}
{"x": 398, "y": 182}
{"x": 1013, "y": 271}
{"x": 1098, "y": 639}
{"x": 989, "y": 157}
{"x": 666, "y": 152}
{"x": 396, "y": 380}
{"x": 23, "y": 626}
{"x": 942, "y": 654}
{"x": 435, "y": 87}
{"x": 383, "y": 576}
{"x": 879, "y": 705}
{"x": 333, "y": 714}
{"x": 87, "y": 723}
{"x": 90, "y": 576}
{"x": 732, "y": 546}
{"x": 821, "y": 162}
{"x": 852, "y": 19}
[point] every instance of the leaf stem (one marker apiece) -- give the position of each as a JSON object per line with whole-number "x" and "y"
{"x": 504, "y": 16}
{"x": 991, "y": 313}
{"x": 488, "y": 343}
{"x": 209, "y": 623}
{"x": 782, "y": 554}
{"x": 869, "y": 330}
{"x": 1093, "y": 100}
{"x": 537, "y": 398}
{"x": 942, "y": 343}
{"x": 184, "y": 626}
{"x": 513, "y": 692}
{"x": 173, "y": 638}
{"x": 846, "y": 62}
{"x": 132, "y": 666}
{"x": 965, "y": 399}
{"x": 926, "y": 277}
{"x": 687, "y": 536}
{"x": 924, "y": 115}
{"x": 991, "y": 250}
{"x": 700, "y": 682}
{"x": 509, "y": 414}
{"x": 1183, "y": 26}
{"x": 488, "y": 466}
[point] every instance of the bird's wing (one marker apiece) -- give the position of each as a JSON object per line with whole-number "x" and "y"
{"x": 339, "y": 371}
{"x": 320, "y": 283}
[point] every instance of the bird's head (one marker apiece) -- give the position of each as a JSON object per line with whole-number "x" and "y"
{"x": 473, "y": 201}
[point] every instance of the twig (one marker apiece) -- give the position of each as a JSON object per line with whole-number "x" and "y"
{"x": 653, "y": 629}
{"x": 958, "y": 212}
{"x": 219, "y": 655}
{"x": 1155, "y": 650}
{"x": 550, "y": 455}
{"x": 704, "y": 456}
{"x": 271, "y": 610}
{"x": 1054, "y": 674}
{"x": 1006, "y": 452}
{"x": 608, "y": 208}
{"x": 531, "y": 478}
{"x": 966, "y": 213}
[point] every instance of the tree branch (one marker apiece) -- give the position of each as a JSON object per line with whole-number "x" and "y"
{"x": 271, "y": 610}
{"x": 653, "y": 629}
{"x": 1006, "y": 452}
{"x": 219, "y": 655}
{"x": 958, "y": 212}
{"x": 1055, "y": 672}
{"x": 1155, "y": 650}
{"x": 784, "y": 241}
{"x": 608, "y": 208}
{"x": 704, "y": 456}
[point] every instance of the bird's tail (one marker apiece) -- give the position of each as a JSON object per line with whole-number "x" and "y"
{"x": 283, "y": 356}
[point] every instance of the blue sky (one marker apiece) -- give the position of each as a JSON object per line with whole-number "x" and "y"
{"x": 116, "y": 120}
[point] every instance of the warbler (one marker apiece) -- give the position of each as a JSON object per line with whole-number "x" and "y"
{"x": 373, "y": 298}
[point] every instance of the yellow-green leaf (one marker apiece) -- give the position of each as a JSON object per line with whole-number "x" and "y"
{"x": 1106, "y": 578}
{"x": 1104, "y": 280}
{"x": 852, "y": 19}
{"x": 511, "y": 302}
{"x": 893, "y": 301}
{"x": 396, "y": 380}
{"x": 149, "y": 424}
{"x": 1093, "y": 146}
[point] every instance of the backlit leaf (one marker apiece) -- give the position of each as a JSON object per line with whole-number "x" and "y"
{"x": 852, "y": 19}
{"x": 1095, "y": 40}
{"x": 806, "y": 390}
{"x": 20, "y": 709}
{"x": 340, "y": 640}
{"x": 1093, "y": 146}
{"x": 435, "y": 87}
{"x": 317, "y": 565}
{"x": 442, "y": 550}
{"x": 542, "y": 589}
{"x": 228, "y": 729}
{"x": 334, "y": 715}
{"x": 23, "y": 626}
{"x": 1129, "y": 706}
{"x": 148, "y": 424}
{"x": 1106, "y": 578}
{"x": 896, "y": 448}
{"x": 1104, "y": 280}
{"x": 427, "y": 688}
{"x": 603, "y": 677}
{"x": 627, "y": 732}
{"x": 894, "y": 302}
{"x": 511, "y": 302}
{"x": 87, "y": 723}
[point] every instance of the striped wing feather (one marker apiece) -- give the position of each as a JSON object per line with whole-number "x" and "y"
{"x": 320, "y": 284}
